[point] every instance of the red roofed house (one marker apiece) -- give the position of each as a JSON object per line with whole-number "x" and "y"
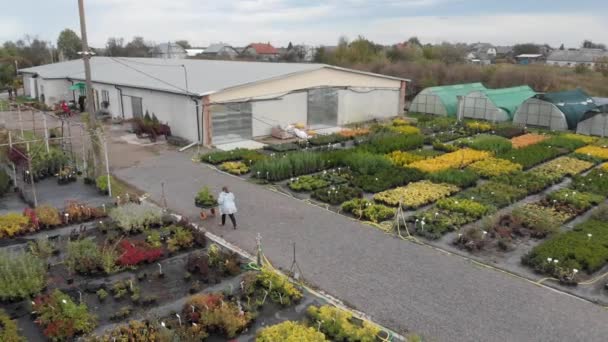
{"x": 262, "y": 51}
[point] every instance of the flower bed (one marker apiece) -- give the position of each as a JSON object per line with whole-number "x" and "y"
{"x": 336, "y": 194}
{"x": 584, "y": 138}
{"x": 61, "y": 318}
{"x": 532, "y": 182}
{"x": 495, "y": 194}
{"x": 542, "y": 220}
{"x": 594, "y": 151}
{"x": 248, "y": 156}
{"x": 366, "y": 163}
{"x": 584, "y": 248}
{"x": 462, "y": 178}
{"x": 443, "y": 136}
{"x": 401, "y": 158}
{"x": 478, "y": 126}
{"x": 292, "y": 164}
{"x": 579, "y": 200}
{"x": 486, "y": 142}
{"x": 9, "y": 332}
{"x": 387, "y": 178}
{"x": 532, "y": 155}
{"x": 508, "y": 130}
{"x": 563, "y": 166}
{"x": 354, "y": 132}
{"x": 137, "y": 252}
{"x": 22, "y": 275}
{"x": 327, "y": 139}
{"x": 235, "y": 167}
{"x": 595, "y": 182}
{"x": 289, "y": 331}
{"x": 416, "y": 194}
{"x": 338, "y": 324}
{"x": 458, "y": 159}
{"x": 134, "y": 218}
{"x": 405, "y": 129}
{"x": 285, "y": 147}
{"x": 367, "y": 210}
{"x": 527, "y": 140}
{"x": 464, "y": 206}
{"x": 563, "y": 141}
{"x": 493, "y": 167}
{"x": 317, "y": 181}
{"x": 388, "y": 142}
{"x": 434, "y": 223}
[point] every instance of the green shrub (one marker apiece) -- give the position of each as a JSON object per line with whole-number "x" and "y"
{"x": 465, "y": 206}
{"x": 439, "y": 146}
{"x": 532, "y": 155}
{"x": 5, "y": 182}
{"x": 317, "y": 181}
{"x": 218, "y": 157}
{"x": 285, "y": 147}
{"x": 486, "y": 142}
{"x": 508, "y": 130}
{"x": 387, "y": 178}
{"x": 83, "y": 256}
{"x": 292, "y": 164}
{"x": 463, "y": 178}
{"x": 434, "y": 123}
{"x": 532, "y": 182}
{"x": 180, "y": 238}
{"x": 289, "y": 331}
{"x": 367, "y": 210}
{"x": 564, "y": 142}
{"x": 383, "y": 143}
{"x": 61, "y": 318}
{"x": 21, "y": 275}
{"x": 573, "y": 250}
{"x": 366, "y": 163}
{"x": 338, "y": 324}
{"x": 595, "y": 182}
{"x": 336, "y": 194}
{"x": 443, "y": 137}
{"x": 579, "y": 200}
{"x": 204, "y": 198}
{"x": 542, "y": 220}
{"x": 437, "y": 222}
{"x": 133, "y": 218}
{"x": 325, "y": 139}
{"x": 9, "y": 332}
{"x": 495, "y": 194}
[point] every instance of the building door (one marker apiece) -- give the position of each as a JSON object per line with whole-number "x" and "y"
{"x": 322, "y": 107}
{"x": 136, "y": 107}
{"x": 231, "y": 122}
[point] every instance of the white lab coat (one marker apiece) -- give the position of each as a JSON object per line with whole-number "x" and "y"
{"x": 226, "y": 202}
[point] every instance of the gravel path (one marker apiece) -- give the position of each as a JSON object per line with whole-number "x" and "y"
{"x": 405, "y": 286}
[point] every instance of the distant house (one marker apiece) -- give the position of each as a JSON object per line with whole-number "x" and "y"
{"x": 529, "y": 58}
{"x": 504, "y": 51}
{"x": 481, "y": 53}
{"x": 572, "y": 58}
{"x": 168, "y": 50}
{"x": 194, "y": 52}
{"x": 261, "y": 51}
{"x": 220, "y": 50}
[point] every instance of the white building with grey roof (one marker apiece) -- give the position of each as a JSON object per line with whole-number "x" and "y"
{"x": 213, "y": 102}
{"x": 572, "y": 58}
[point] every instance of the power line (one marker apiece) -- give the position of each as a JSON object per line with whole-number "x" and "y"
{"x": 151, "y": 76}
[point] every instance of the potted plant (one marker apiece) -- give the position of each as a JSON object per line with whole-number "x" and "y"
{"x": 205, "y": 200}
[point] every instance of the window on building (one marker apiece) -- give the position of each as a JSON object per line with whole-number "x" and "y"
{"x": 136, "y": 107}
{"x": 105, "y": 99}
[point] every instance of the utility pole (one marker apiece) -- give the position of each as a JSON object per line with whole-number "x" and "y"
{"x": 86, "y": 56}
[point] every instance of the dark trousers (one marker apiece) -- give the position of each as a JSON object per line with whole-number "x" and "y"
{"x": 231, "y": 219}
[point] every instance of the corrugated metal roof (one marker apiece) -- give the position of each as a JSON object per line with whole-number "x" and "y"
{"x": 449, "y": 94}
{"x": 509, "y": 99}
{"x": 204, "y": 76}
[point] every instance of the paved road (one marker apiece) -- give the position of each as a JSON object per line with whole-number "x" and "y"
{"x": 402, "y": 285}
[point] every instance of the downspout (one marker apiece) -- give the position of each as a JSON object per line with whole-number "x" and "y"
{"x": 198, "y": 123}
{"x": 122, "y": 106}
{"x": 73, "y": 92}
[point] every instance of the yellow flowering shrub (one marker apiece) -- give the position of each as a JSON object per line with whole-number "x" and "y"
{"x": 594, "y": 151}
{"x": 406, "y": 129}
{"x": 289, "y": 331}
{"x": 456, "y": 160}
{"x": 605, "y": 166}
{"x": 401, "y": 158}
{"x": 492, "y": 167}
{"x": 338, "y": 324}
{"x": 564, "y": 166}
{"x": 400, "y": 122}
{"x": 479, "y": 126}
{"x": 416, "y": 194}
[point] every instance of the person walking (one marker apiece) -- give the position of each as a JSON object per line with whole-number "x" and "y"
{"x": 227, "y": 206}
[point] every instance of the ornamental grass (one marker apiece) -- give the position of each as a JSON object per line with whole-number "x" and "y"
{"x": 416, "y": 194}
{"x": 527, "y": 140}
{"x": 457, "y": 159}
{"x": 493, "y": 167}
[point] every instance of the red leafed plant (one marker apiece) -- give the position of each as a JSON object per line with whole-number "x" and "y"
{"x": 31, "y": 214}
{"x": 136, "y": 252}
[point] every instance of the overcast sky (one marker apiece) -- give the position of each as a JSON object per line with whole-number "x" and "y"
{"x": 313, "y": 21}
